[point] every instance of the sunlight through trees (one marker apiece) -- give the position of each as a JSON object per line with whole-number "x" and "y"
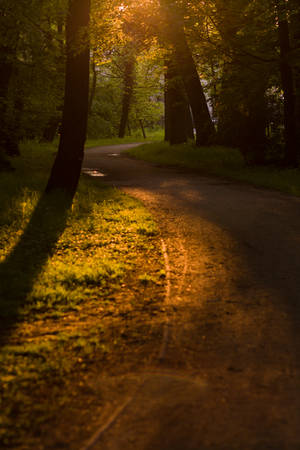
{"x": 237, "y": 70}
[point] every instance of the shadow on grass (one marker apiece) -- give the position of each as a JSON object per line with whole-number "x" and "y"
{"x": 21, "y": 267}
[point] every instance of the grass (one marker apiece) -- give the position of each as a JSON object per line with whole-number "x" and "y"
{"x": 73, "y": 278}
{"x": 152, "y": 135}
{"x": 220, "y": 161}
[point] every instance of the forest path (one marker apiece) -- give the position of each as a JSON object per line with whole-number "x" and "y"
{"x": 229, "y": 376}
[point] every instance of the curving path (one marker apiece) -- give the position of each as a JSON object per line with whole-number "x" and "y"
{"x": 229, "y": 369}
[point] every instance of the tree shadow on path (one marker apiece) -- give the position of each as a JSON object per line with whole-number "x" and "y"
{"x": 22, "y": 266}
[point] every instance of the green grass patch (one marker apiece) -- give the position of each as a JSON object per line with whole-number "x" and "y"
{"x": 220, "y": 161}
{"x": 69, "y": 275}
{"x": 152, "y": 135}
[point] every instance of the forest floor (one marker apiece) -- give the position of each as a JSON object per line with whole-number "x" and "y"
{"x": 225, "y": 373}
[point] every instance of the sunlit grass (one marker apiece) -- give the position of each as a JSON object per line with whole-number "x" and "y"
{"x": 220, "y": 161}
{"x": 152, "y": 136}
{"x": 60, "y": 312}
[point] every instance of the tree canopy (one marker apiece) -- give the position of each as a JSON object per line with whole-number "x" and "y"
{"x": 236, "y": 71}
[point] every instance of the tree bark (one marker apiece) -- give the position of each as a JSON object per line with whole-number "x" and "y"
{"x": 295, "y": 33}
{"x": 94, "y": 86}
{"x": 143, "y": 129}
{"x": 175, "y": 106}
{"x": 127, "y": 93}
{"x": 55, "y": 119}
{"x": 67, "y": 166}
{"x": 8, "y": 134}
{"x": 189, "y": 124}
{"x": 167, "y": 112}
{"x": 205, "y": 131}
{"x": 50, "y": 129}
{"x": 6, "y": 68}
{"x": 287, "y": 81}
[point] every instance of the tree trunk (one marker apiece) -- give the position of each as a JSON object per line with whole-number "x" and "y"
{"x": 94, "y": 86}
{"x": 291, "y": 157}
{"x": 143, "y": 129}
{"x": 175, "y": 120}
{"x": 189, "y": 124}
{"x": 167, "y": 112}
{"x": 128, "y": 92}
{"x": 8, "y": 135}
{"x": 54, "y": 121}
{"x": 6, "y": 68}
{"x": 295, "y": 33}
{"x": 67, "y": 166}
{"x": 205, "y": 131}
{"x": 50, "y": 129}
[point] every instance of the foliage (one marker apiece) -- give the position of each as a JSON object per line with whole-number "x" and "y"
{"x": 235, "y": 45}
{"x": 147, "y": 101}
{"x": 36, "y": 47}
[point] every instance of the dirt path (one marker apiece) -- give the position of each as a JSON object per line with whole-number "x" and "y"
{"x": 229, "y": 374}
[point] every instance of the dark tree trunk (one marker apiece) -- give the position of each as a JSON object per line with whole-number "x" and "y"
{"x": 175, "y": 120}
{"x": 143, "y": 129}
{"x": 205, "y": 131}
{"x": 241, "y": 106}
{"x": 243, "y": 127}
{"x": 6, "y": 69}
{"x": 291, "y": 157}
{"x": 94, "y": 86}
{"x": 6, "y": 66}
{"x": 128, "y": 92}
{"x": 67, "y": 166}
{"x": 54, "y": 121}
{"x": 51, "y": 129}
{"x": 295, "y": 32}
{"x": 167, "y": 112}
{"x": 189, "y": 124}
{"x": 8, "y": 135}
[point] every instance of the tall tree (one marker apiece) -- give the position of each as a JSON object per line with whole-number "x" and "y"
{"x": 55, "y": 118}
{"x": 295, "y": 34}
{"x": 295, "y": 28}
{"x": 242, "y": 76}
{"x": 205, "y": 131}
{"x": 9, "y": 36}
{"x": 129, "y": 61}
{"x": 93, "y": 85}
{"x": 67, "y": 166}
{"x": 288, "y": 86}
{"x": 175, "y": 106}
